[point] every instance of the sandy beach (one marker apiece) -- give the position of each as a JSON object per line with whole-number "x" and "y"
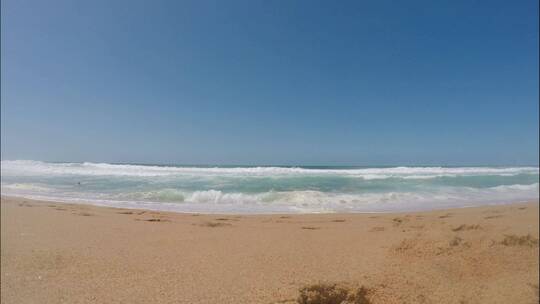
{"x": 71, "y": 253}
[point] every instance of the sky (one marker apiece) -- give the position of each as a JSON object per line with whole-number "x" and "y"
{"x": 271, "y": 82}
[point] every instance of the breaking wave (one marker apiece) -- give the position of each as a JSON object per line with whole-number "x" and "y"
{"x": 269, "y": 189}
{"x": 30, "y": 167}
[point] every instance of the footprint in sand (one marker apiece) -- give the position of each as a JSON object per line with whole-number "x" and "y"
{"x": 213, "y": 224}
{"x": 84, "y": 214}
{"x": 154, "y": 219}
{"x": 523, "y": 240}
{"x": 466, "y": 227}
{"x": 398, "y": 221}
{"x": 225, "y": 219}
{"x": 125, "y": 212}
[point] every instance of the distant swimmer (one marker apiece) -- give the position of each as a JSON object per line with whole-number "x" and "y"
{"x": 79, "y": 183}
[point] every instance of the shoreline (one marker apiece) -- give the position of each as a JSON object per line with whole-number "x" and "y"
{"x": 269, "y": 190}
{"x": 57, "y": 252}
{"x": 84, "y": 202}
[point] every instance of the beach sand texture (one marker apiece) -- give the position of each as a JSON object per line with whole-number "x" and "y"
{"x": 70, "y": 253}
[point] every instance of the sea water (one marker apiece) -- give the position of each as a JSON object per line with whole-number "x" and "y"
{"x": 269, "y": 189}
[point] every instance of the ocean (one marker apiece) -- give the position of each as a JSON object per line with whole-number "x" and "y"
{"x": 269, "y": 189}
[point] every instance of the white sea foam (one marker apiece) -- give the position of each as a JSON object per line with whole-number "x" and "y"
{"x": 26, "y": 187}
{"x": 305, "y": 201}
{"x": 269, "y": 189}
{"x": 38, "y": 168}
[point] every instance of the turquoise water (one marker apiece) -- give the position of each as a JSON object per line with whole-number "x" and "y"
{"x": 247, "y": 189}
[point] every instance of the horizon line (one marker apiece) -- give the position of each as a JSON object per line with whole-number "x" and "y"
{"x": 277, "y": 165}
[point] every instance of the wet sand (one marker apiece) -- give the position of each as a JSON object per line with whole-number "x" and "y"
{"x": 71, "y": 253}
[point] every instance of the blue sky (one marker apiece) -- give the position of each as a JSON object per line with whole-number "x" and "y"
{"x": 271, "y": 82}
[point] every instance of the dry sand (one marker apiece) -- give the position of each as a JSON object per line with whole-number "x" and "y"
{"x": 65, "y": 253}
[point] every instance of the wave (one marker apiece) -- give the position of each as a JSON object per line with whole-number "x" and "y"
{"x": 39, "y": 168}
{"x": 268, "y": 189}
{"x": 25, "y": 187}
{"x": 302, "y": 201}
